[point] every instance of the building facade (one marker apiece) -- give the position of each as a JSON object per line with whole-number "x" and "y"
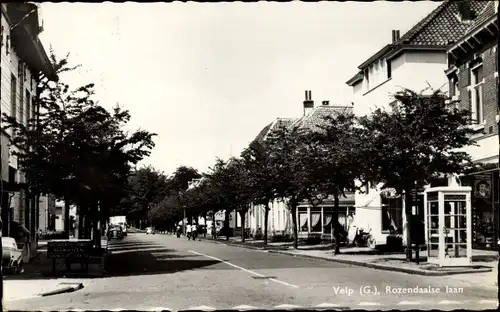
{"x": 311, "y": 221}
{"x": 416, "y": 61}
{"x": 23, "y": 59}
{"x": 473, "y": 85}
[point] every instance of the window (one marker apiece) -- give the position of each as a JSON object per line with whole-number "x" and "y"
{"x": 477, "y": 109}
{"x": 33, "y": 107}
{"x": 28, "y": 110}
{"x": 392, "y": 213}
{"x": 453, "y": 85}
{"x": 22, "y": 118}
{"x": 367, "y": 79}
{"x": 316, "y": 220}
{"x": 367, "y": 188}
{"x": 302, "y": 220}
{"x": 13, "y": 97}
{"x": 389, "y": 70}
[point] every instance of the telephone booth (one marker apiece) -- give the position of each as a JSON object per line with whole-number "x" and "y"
{"x": 448, "y": 225}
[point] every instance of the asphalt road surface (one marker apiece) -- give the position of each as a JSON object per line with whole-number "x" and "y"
{"x": 154, "y": 272}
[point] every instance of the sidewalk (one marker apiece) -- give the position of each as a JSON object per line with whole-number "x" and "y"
{"x": 485, "y": 263}
{"x": 37, "y": 278}
{"x": 25, "y": 289}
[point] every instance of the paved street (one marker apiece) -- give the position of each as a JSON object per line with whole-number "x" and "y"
{"x": 162, "y": 271}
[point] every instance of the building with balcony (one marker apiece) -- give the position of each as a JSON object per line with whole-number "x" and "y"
{"x": 23, "y": 63}
{"x": 473, "y": 85}
{"x": 414, "y": 61}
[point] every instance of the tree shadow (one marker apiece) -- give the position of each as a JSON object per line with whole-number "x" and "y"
{"x": 144, "y": 263}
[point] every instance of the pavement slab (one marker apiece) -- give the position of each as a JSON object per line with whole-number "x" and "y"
{"x": 162, "y": 271}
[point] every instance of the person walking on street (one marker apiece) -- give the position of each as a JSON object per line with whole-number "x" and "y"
{"x": 188, "y": 231}
{"x": 194, "y": 231}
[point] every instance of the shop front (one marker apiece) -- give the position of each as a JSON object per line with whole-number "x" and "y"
{"x": 316, "y": 222}
{"x": 485, "y": 208}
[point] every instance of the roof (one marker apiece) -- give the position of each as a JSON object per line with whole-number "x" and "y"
{"x": 487, "y": 12}
{"x": 486, "y": 17}
{"x": 276, "y": 124}
{"x": 316, "y": 118}
{"x": 438, "y": 29}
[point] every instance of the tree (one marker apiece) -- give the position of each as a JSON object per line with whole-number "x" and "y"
{"x": 335, "y": 154}
{"x": 146, "y": 187}
{"x": 225, "y": 196}
{"x": 75, "y": 149}
{"x": 291, "y": 169}
{"x": 183, "y": 176}
{"x": 257, "y": 160}
{"x": 241, "y": 189}
{"x": 415, "y": 142}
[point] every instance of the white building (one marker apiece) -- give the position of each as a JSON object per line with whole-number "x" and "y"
{"x": 23, "y": 59}
{"x": 310, "y": 221}
{"x": 416, "y": 61}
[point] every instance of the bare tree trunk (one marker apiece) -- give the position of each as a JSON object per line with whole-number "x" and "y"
{"x": 293, "y": 210}
{"x": 335, "y": 220}
{"x": 266, "y": 222}
{"x": 242, "y": 214}
{"x": 408, "y": 214}
{"x": 226, "y": 223}
{"x": 66, "y": 218}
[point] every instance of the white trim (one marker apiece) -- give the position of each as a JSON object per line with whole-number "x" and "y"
{"x": 477, "y": 65}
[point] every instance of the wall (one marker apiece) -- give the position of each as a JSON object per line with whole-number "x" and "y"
{"x": 412, "y": 70}
{"x": 9, "y": 64}
{"x": 279, "y": 217}
{"x": 487, "y": 140}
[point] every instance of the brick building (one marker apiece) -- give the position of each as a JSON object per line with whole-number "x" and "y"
{"x": 23, "y": 59}
{"x": 415, "y": 60}
{"x": 473, "y": 84}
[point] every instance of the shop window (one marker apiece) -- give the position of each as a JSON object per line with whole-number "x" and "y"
{"x": 316, "y": 220}
{"x": 483, "y": 211}
{"x": 327, "y": 220}
{"x": 392, "y": 214}
{"x": 302, "y": 221}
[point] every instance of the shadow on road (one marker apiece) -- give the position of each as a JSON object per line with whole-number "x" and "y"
{"x": 144, "y": 263}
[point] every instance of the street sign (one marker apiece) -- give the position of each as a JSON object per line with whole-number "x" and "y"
{"x": 68, "y": 249}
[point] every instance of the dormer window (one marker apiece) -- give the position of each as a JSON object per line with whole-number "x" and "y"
{"x": 465, "y": 12}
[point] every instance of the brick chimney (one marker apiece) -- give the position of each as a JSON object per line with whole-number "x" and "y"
{"x": 308, "y": 103}
{"x": 395, "y": 35}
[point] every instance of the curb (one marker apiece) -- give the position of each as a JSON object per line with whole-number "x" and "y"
{"x": 233, "y": 244}
{"x": 360, "y": 263}
{"x": 386, "y": 267}
{"x": 63, "y": 290}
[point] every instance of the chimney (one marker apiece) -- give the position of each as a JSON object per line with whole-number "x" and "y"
{"x": 395, "y": 36}
{"x": 326, "y": 103}
{"x": 465, "y": 10}
{"x": 308, "y": 103}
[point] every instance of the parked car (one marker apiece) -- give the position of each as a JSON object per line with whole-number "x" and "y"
{"x": 150, "y": 230}
{"x": 115, "y": 231}
{"x": 12, "y": 256}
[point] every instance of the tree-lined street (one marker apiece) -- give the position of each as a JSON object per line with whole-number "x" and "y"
{"x": 149, "y": 271}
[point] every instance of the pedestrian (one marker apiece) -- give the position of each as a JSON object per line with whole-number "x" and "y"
{"x": 194, "y": 231}
{"x": 188, "y": 231}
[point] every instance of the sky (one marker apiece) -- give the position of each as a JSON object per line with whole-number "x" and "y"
{"x": 208, "y": 77}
